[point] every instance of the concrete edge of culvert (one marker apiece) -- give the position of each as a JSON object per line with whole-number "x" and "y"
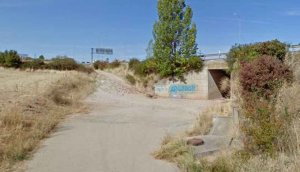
{"x": 219, "y": 137}
{"x": 222, "y": 126}
{"x": 211, "y": 144}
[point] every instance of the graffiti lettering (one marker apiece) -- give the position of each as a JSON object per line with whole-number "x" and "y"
{"x": 182, "y": 88}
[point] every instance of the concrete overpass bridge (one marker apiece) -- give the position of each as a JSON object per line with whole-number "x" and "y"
{"x": 198, "y": 85}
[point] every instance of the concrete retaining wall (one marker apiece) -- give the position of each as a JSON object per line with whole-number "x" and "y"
{"x": 194, "y": 88}
{"x": 201, "y": 85}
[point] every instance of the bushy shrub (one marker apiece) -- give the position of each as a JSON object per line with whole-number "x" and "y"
{"x": 139, "y": 70}
{"x": 67, "y": 63}
{"x": 133, "y": 63}
{"x": 100, "y": 65}
{"x": 262, "y": 128}
{"x": 195, "y": 64}
{"x": 63, "y": 63}
{"x": 249, "y": 52}
{"x": 34, "y": 64}
{"x": 2, "y": 59}
{"x": 131, "y": 79}
{"x": 11, "y": 59}
{"x": 41, "y": 57}
{"x": 85, "y": 69}
{"x": 260, "y": 82}
{"x": 150, "y": 66}
{"x": 264, "y": 76}
{"x": 115, "y": 64}
{"x": 105, "y": 64}
{"x": 181, "y": 67}
{"x": 145, "y": 67}
{"x": 273, "y": 48}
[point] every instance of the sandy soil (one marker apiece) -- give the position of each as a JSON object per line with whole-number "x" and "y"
{"x": 119, "y": 134}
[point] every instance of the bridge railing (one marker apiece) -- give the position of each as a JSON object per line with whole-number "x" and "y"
{"x": 215, "y": 56}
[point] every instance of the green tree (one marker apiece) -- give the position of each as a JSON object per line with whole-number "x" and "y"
{"x": 175, "y": 39}
{"x": 2, "y": 59}
{"x": 12, "y": 59}
{"x": 41, "y": 57}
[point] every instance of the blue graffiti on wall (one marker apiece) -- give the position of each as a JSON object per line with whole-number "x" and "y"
{"x": 182, "y": 88}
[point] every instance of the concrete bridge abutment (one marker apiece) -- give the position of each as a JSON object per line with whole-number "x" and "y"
{"x": 198, "y": 85}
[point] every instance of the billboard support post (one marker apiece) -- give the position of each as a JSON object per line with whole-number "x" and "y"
{"x": 104, "y": 51}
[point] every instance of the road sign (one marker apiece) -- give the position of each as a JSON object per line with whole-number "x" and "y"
{"x": 107, "y": 51}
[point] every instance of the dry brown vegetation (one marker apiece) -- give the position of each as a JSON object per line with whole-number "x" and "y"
{"x": 225, "y": 85}
{"x": 286, "y": 160}
{"x": 174, "y": 148}
{"x": 144, "y": 84}
{"x": 31, "y": 106}
{"x": 203, "y": 123}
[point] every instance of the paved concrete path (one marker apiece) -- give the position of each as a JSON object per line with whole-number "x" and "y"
{"x": 118, "y": 134}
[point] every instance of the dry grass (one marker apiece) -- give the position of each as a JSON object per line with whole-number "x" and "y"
{"x": 120, "y": 71}
{"x": 33, "y": 104}
{"x": 142, "y": 84}
{"x": 293, "y": 61}
{"x": 231, "y": 162}
{"x": 204, "y": 123}
{"x": 281, "y": 163}
{"x": 202, "y": 126}
{"x": 171, "y": 149}
{"x": 225, "y": 85}
{"x": 287, "y": 160}
{"x": 288, "y": 106}
{"x": 174, "y": 149}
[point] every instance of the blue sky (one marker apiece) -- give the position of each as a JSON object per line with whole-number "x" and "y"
{"x": 69, "y": 27}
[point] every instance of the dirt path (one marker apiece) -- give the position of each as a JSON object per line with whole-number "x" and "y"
{"x": 119, "y": 133}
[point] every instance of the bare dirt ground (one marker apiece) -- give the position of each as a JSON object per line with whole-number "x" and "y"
{"x": 119, "y": 133}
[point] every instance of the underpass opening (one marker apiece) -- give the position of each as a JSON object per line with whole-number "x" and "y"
{"x": 218, "y": 84}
